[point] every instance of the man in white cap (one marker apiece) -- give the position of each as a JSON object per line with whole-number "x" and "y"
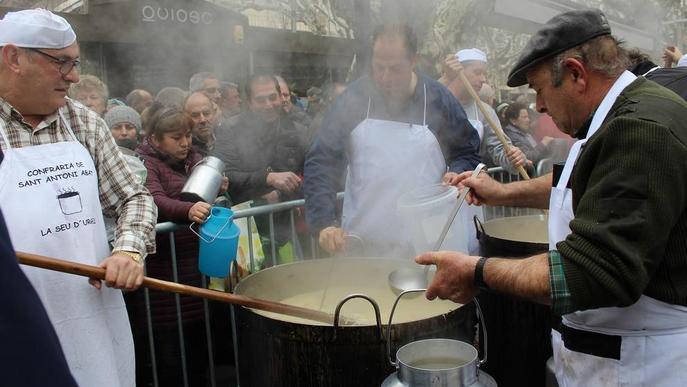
{"x": 473, "y": 63}
{"x": 61, "y": 171}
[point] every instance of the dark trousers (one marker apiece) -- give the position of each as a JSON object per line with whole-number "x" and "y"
{"x": 168, "y": 355}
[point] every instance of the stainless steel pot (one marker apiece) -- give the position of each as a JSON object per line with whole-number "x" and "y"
{"x": 205, "y": 181}
{"x": 437, "y": 362}
{"x": 277, "y": 350}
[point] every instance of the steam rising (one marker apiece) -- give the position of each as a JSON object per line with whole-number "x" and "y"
{"x": 153, "y": 44}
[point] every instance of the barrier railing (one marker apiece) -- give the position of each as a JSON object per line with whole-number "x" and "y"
{"x": 249, "y": 214}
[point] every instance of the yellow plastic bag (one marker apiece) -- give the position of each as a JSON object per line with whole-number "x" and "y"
{"x": 242, "y": 255}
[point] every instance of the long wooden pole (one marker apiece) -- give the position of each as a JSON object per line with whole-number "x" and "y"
{"x": 167, "y": 286}
{"x": 496, "y": 128}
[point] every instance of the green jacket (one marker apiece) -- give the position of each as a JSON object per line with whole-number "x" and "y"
{"x": 629, "y": 234}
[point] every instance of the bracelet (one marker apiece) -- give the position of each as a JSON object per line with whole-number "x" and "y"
{"x": 479, "y": 274}
{"x": 136, "y": 257}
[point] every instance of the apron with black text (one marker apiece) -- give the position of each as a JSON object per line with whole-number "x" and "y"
{"x": 49, "y": 196}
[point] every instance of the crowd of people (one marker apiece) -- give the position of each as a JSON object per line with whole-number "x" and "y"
{"x": 394, "y": 129}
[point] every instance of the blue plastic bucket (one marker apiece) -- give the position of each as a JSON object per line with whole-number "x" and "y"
{"x": 219, "y": 240}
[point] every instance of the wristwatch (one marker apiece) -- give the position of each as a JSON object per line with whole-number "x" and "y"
{"x": 479, "y": 274}
{"x": 131, "y": 254}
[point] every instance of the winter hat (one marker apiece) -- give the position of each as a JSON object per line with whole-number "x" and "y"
{"x": 123, "y": 114}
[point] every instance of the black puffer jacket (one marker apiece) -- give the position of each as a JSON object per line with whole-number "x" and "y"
{"x": 251, "y": 149}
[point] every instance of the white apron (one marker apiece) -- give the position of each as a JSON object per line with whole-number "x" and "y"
{"x": 654, "y": 333}
{"x": 468, "y": 212}
{"x": 476, "y": 122}
{"x": 387, "y": 159}
{"x": 49, "y": 196}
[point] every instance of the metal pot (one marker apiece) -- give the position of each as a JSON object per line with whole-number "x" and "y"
{"x": 438, "y": 362}
{"x": 276, "y": 350}
{"x": 205, "y": 181}
{"x": 519, "y": 331}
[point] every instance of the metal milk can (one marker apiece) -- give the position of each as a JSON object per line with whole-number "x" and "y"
{"x": 437, "y": 362}
{"x": 205, "y": 181}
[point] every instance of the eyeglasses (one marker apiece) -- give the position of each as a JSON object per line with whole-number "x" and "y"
{"x": 66, "y": 65}
{"x": 211, "y": 90}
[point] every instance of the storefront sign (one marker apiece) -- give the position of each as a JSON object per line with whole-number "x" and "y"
{"x": 155, "y": 14}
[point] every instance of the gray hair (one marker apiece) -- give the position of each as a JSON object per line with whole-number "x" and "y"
{"x": 171, "y": 97}
{"x": 604, "y": 54}
{"x": 90, "y": 82}
{"x": 197, "y": 79}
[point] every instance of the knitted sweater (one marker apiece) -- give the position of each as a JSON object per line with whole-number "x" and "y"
{"x": 629, "y": 234}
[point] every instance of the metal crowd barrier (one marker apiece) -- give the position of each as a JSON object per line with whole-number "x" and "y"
{"x": 504, "y": 176}
{"x": 269, "y": 210}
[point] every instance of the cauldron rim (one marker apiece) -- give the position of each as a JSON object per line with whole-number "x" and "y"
{"x": 265, "y": 272}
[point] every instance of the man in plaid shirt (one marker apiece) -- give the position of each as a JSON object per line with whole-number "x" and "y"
{"x": 60, "y": 172}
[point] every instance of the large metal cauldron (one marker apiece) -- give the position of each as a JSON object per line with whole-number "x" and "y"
{"x": 519, "y": 331}
{"x": 276, "y": 350}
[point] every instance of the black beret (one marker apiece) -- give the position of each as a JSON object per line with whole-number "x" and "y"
{"x": 564, "y": 31}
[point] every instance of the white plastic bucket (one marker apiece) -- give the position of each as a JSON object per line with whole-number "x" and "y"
{"x": 425, "y": 210}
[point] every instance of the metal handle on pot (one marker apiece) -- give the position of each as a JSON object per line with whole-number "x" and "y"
{"x": 378, "y": 315}
{"x": 216, "y": 235}
{"x": 359, "y": 239}
{"x": 391, "y": 316}
{"x": 479, "y": 227}
{"x": 480, "y": 315}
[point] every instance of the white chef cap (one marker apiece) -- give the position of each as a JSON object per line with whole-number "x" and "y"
{"x": 471, "y": 54}
{"x": 682, "y": 61}
{"x": 36, "y": 28}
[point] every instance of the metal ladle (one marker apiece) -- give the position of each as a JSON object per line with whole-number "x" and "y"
{"x": 405, "y": 279}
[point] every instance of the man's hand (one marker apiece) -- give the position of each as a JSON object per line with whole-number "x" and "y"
{"x": 483, "y": 189}
{"x": 450, "y": 178}
{"x": 450, "y": 69}
{"x": 546, "y": 140}
{"x": 199, "y": 212}
{"x": 517, "y": 157}
{"x": 121, "y": 272}
{"x": 455, "y": 276}
{"x": 286, "y": 182}
{"x": 225, "y": 185}
{"x": 272, "y": 197}
{"x": 671, "y": 54}
{"x": 332, "y": 239}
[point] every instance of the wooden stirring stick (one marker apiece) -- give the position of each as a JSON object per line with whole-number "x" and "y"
{"x": 167, "y": 286}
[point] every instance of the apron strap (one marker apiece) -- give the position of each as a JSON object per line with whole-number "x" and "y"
{"x": 651, "y": 71}
{"x": 570, "y": 163}
{"x": 66, "y": 125}
{"x": 3, "y": 134}
{"x": 369, "y": 103}
{"x": 424, "y": 112}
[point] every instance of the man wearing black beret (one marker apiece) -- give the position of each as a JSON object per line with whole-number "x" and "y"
{"x": 616, "y": 271}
